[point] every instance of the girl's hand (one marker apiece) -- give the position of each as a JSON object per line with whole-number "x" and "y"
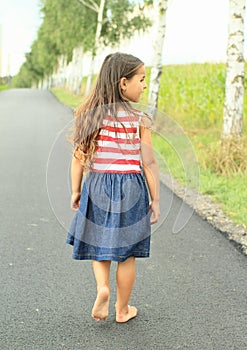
{"x": 75, "y": 201}
{"x": 154, "y": 211}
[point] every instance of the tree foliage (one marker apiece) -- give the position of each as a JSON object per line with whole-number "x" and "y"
{"x": 123, "y": 18}
{"x": 69, "y": 24}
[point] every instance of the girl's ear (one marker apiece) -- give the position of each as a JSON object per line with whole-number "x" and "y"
{"x": 123, "y": 84}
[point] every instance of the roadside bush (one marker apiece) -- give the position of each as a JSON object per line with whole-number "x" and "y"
{"x": 227, "y": 157}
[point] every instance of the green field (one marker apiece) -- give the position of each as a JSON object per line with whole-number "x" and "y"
{"x": 190, "y": 122}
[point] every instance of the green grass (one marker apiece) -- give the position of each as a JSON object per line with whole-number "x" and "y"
{"x": 229, "y": 192}
{"x": 3, "y": 87}
{"x": 67, "y": 97}
{"x": 192, "y": 96}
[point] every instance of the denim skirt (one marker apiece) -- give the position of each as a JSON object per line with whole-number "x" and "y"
{"x": 113, "y": 220}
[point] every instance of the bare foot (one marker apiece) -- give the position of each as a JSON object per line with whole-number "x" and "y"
{"x": 101, "y": 305}
{"x": 125, "y": 317}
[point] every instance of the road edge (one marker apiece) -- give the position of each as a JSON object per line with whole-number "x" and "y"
{"x": 209, "y": 211}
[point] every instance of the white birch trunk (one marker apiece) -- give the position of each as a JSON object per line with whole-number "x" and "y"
{"x": 96, "y": 45}
{"x": 158, "y": 44}
{"x": 45, "y": 83}
{"x": 61, "y": 71}
{"x": 68, "y": 75}
{"x": 234, "y": 85}
{"x": 78, "y": 71}
{"x": 75, "y": 78}
{"x": 54, "y": 77}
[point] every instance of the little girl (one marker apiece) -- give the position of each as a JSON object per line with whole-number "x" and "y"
{"x": 113, "y": 149}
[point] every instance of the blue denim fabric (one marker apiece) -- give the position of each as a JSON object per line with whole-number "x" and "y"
{"x": 113, "y": 221}
{"x": 84, "y": 251}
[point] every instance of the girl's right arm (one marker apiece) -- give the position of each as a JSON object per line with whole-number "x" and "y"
{"x": 76, "y": 180}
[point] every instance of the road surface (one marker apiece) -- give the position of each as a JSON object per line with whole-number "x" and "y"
{"x": 191, "y": 293}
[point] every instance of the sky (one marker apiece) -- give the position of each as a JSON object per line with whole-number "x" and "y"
{"x": 19, "y": 21}
{"x": 196, "y": 31}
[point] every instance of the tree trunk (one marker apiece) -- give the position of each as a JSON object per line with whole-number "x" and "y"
{"x": 96, "y": 45}
{"x": 74, "y": 71}
{"x": 234, "y": 85}
{"x": 60, "y": 79}
{"x": 78, "y": 70}
{"x": 158, "y": 44}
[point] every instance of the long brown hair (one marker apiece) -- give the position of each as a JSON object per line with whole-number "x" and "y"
{"x": 106, "y": 97}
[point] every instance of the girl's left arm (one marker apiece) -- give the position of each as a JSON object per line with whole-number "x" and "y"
{"x": 151, "y": 171}
{"x": 76, "y": 180}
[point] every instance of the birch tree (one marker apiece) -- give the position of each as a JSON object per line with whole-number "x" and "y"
{"x": 116, "y": 20}
{"x": 158, "y": 44}
{"x": 77, "y": 70}
{"x": 69, "y": 25}
{"x": 99, "y": 9}
{"x": 234, "y": 85}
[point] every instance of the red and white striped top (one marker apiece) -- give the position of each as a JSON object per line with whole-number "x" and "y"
{"x": 118, "y": 149}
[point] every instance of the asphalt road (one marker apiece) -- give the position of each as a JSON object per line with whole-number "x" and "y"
{"x": 191, "y": 293}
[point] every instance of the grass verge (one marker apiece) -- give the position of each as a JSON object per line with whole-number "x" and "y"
{"x": 3, "y": 87}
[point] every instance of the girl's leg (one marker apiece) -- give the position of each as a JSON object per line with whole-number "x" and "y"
{"x": 102, "y": 277}
{"x": 125, "y": 277}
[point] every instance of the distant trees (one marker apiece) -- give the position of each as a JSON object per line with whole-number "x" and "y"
{"x": 234, "y": 85}
{"x": 74, "y": 25}
{"x": 61, "y": 30}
